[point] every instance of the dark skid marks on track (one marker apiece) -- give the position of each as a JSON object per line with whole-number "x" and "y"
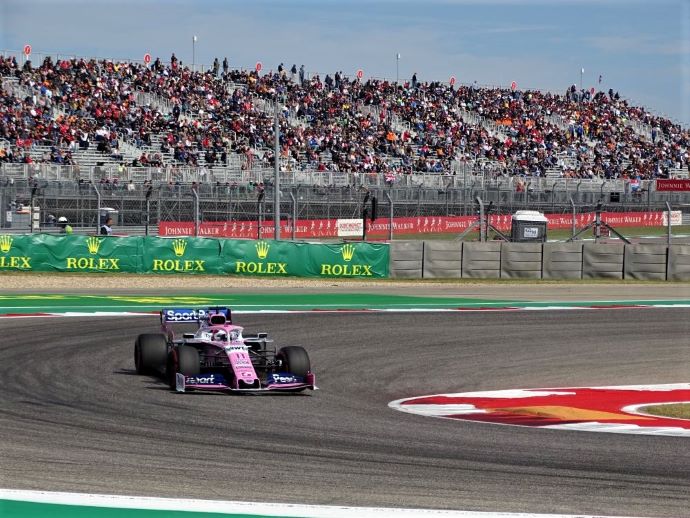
{"x": 74, "y": 418}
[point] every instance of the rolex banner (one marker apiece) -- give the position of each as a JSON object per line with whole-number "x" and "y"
{"x": 267, "y": 257}
{"x": 348, "y": 260}
{"x": 94, "y": 253}
{"x": 181, "y": 255}
{"x": 77, "y": 253}
{"x": 45, "y": 253}
{"x": 16, "y": 253}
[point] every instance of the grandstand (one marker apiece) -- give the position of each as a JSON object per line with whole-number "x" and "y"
{"x": 109, "y": 118}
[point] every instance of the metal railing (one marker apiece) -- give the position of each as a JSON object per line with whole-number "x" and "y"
{"x": 481, "y": 174}
{"x": 162, "y": 104}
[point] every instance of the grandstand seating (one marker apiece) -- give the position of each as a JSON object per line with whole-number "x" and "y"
{"x": 166, "y": 115}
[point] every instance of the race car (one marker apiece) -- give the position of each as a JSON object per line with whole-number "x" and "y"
{"x": 219, "y": 357}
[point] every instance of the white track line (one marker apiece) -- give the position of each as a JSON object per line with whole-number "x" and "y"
{"x": 461, "y": 309}
{"x": 253, "y": 508}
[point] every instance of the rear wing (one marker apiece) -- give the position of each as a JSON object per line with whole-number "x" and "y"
{"x": 187, "y": 315}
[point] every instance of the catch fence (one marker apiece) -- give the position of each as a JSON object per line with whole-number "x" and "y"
{"x": 147, "y": 196}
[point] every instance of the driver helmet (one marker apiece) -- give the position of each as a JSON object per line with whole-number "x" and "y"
{"x": 62, "y": 219}
{"x": 220, "y": 336}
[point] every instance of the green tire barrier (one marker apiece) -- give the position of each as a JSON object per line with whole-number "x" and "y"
{"x": 75, "y": 253}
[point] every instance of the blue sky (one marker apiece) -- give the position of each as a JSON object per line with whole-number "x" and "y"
{"x": 641, "y": 49}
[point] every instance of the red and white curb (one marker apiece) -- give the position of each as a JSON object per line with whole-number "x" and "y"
{"x": 252, "y": 508}
{"x": 617, "y": 409}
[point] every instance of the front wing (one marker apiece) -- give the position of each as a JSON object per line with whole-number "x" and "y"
{"x": 218, "y": 383}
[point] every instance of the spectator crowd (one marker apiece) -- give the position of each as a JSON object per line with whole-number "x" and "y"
{"x": 203, "y": 118}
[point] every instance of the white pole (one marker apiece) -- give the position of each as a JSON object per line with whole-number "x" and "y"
{"x": 276, "y": 176}
{"x": 193, "y": 51}
{"x": 582, "y": 71}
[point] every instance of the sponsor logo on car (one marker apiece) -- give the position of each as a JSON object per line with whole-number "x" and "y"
{"x": 240, "y": 359}
{"x": 210, "y": 379}
{"x": 283, "y": 377}
{"x": 183, "y": 315}
{"x": 261, "y": 267}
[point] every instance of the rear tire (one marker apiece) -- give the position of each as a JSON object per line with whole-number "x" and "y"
{"x": 295, "y": 360}
{"x": 150, "y": 351}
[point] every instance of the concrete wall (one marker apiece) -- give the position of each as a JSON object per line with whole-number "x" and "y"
{"x": 481, "y": 260}
{"x": 494, "y": 260}
{"x": 406, "y": 259}
{"x": 442, "y": 259}
{"x": 521, "y": 260}
{"x": 562, "y": 261}
{"x": 679, "y": 263}
{"x": 602, "y": 261}
{"x": 645, "y": 262}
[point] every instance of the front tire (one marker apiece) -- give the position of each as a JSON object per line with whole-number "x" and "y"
{"x": 185, "y": 360}
{"x": 188, "y": 361}
{"x": 150, "y": 351}
{"x": 295, "y": 360}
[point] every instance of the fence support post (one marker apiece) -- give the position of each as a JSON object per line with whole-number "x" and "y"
{"x": 668, "y": 223}
{"x": 149, "y": 191}
{"x": 4, "y": 207}
{"x": 482, "y": 222}
{"x": 98, "y": 207}
{"x": 294, "y": 215}
{"x": 573, "y": 226}
{"x": 390, "y": 217}
{"x": 649, "y": 194}
{"x": 258, "y": 219}
{"x": 196, "y": 212}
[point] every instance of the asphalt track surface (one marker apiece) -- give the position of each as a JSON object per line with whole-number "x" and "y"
{"x": 75, "y": 417}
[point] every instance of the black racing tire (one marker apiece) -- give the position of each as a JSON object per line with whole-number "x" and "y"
{"x": 295, "y": 360}
{"x": 150, "y": 351}
{"x": 187, "y": 363}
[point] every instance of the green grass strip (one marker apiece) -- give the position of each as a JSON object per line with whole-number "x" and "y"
{"x": 677, "y": 410}
{"x": 253, "y": 301}
{"x": 28, "y": 304}
{"x": 19, "y": 509}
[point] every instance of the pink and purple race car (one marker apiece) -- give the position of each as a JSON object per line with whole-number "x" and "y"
{"x": 217, "y": 356}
